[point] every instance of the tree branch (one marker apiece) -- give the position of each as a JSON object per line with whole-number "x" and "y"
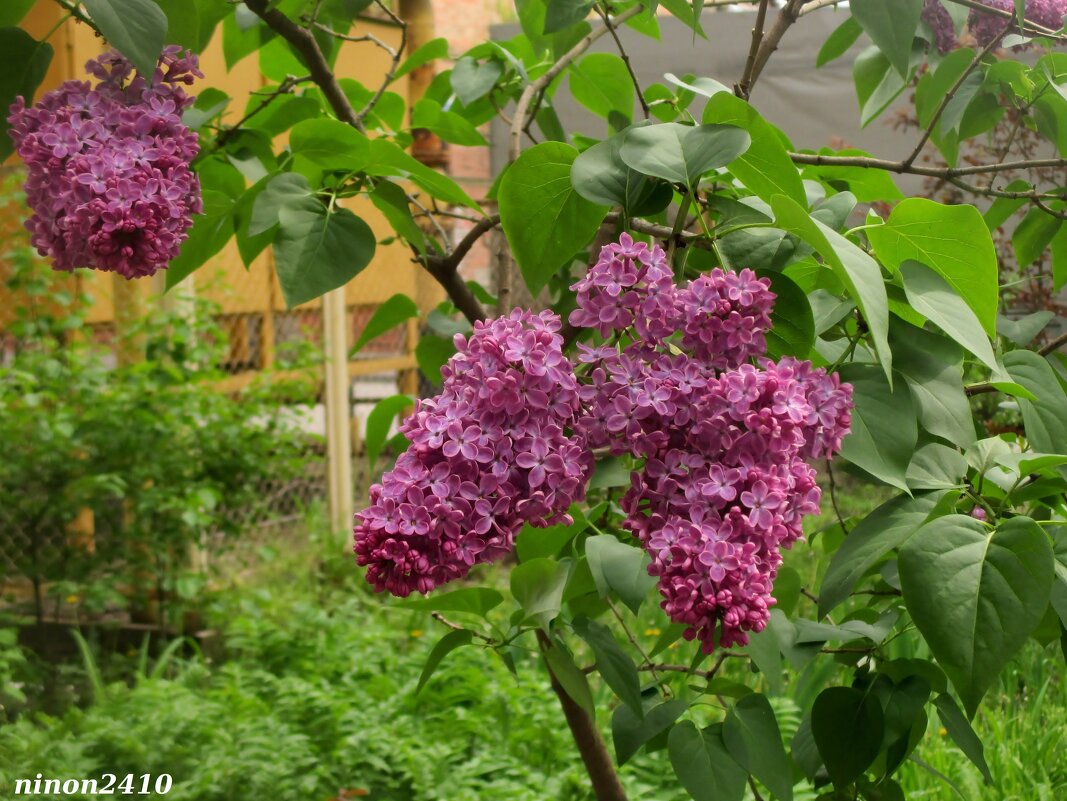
{"x": 1054, "y": 345}
{"x": 626, "y": 59}
{"x": 397, "y": 55}
{"x": 869, "y": 162}
{"x": 743, "y": 87}
{"x": 591, "y": 747}
{"x": 284, "y": 88}
{"x": 522, "y": 107}
{"x": 445, "y": 269}
{"x": 951, "y": 93}
{"x": 1029, "y": 26}
{"x": 303, "y": 41}
{"x": 789, "y": 14}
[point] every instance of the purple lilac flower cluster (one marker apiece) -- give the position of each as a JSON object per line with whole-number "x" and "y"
{"x": 937, "y": 17}
{"x": 488, "y": 454}
{"x": 108, "y": 175}
{"x": 724, "y": 484}
{"x": 986, "y": 28}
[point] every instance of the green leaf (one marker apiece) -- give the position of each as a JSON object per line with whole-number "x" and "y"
{"x": 431, "y": 51}
{"x": 183, "y": 23}
{"x": 209, "y": 234}
{"x": 247, "y": 245}
{"x": 431, "y": 353}
{"x": 766, "y": 249}
{"x": 1043, "y": 417}
{"x": 136, "y": 28}
{"x": 792, "y": 322}
{"x": 14, "y": 11}
{"x": 448, "y": 125}
{"x": 934, "y": 298}
{"x": 847, "y": 725}
{"x": 887, "y": 527}
{"x": 611, "y": 471}
{"x": 612, "y": 662}
{"x": 685, "y": 11}
{"x": 600, "y": 176}
{"x": 765, "y": 167}
{"x": 1022, "y": 331}
{"x": 903, "y": 706}
{"x": 386, "y": 158}
{"x": 936, "y": 466}
{"x": 891, "y": 26}
{"x": 884, "y": 430}
{"x": 446, "y": 645}
{"x": 564, "y": 13}
{"x": 976, "y": 595}
{"x": 931, "y": 365}
{"x": 959, "y": 729}
{"x": 601, "y": 83}
{"x": 472, "y": 81}
{"x": 286, "y": 189}
{"x": 630, "y": 731}
{"x": 570, "y": 677}
{"x": 318, "y": 250}
{"x": 952, "y": 240}
{"x": 751, "y": 734}
{"x": 860, "y": 274}
{"x": 866, "y": 184}
{"x": 23, "y": 64}
{"x": 238, "y": 40}
{"x": 387, "y": 316}
{"x": 546, "y": 221}
{"x": 380, "y": 420}
{"x": 538, "y": 587}
{"x": 330, "y": 145}
{"x": 877, "y": 83}
{"x": 619, "y": 567}
{"x": 1059, "y": 259}
{"x": 1034, "y": 235}
{"x": 533, "y": 543}
{"x": 703, "y": 765}
{"x": 682, "y": 153}
{"x": 839, "y": 42}
{"x": 392, "y": 201}
{"x": 1059, "y": 585}
{"x": 953, "y": 115}
{"x": 473, "y": 600}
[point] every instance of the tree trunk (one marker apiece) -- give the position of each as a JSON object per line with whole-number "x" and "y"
{"x": 591, "y": 746}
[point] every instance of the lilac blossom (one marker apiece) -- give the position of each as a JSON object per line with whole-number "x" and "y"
{"x": 937, "y": 17}
{"x": 724, "y": 484}
{"x": 682, "y": 385}
{"x": 108, "y": 176}
{"x": 487, "y": 455}
{"x": 987, "y": 28}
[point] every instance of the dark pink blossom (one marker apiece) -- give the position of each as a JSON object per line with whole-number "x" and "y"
{"x": 488, "y": 454}
{"x": 724, "y": 485}
{"x": 108, "y": 176}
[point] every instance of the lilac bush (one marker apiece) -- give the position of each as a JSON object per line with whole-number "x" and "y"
{"x": 108, "y": 175}
{"x": 722, "y": 484}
